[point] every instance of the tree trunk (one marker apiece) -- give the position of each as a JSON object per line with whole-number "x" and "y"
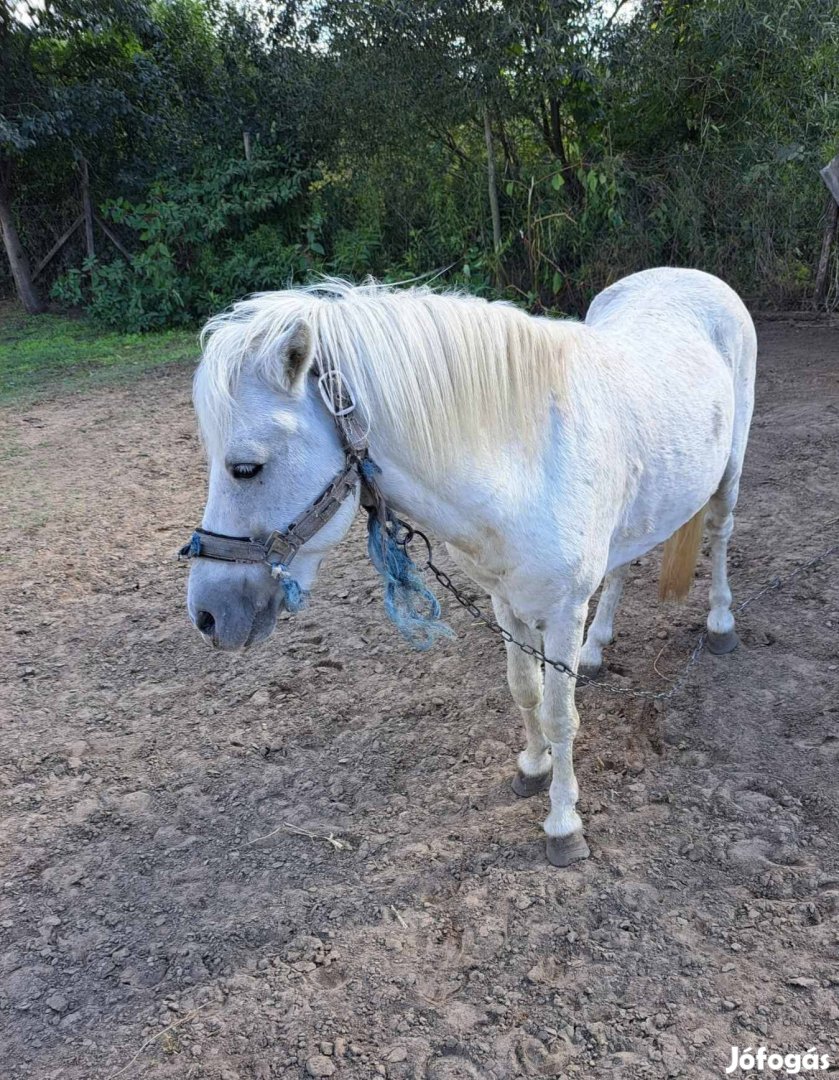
{"x": 511, "y": 158}
{"x": 29, "y": 295}
{"x": 545, "y": 124}
{"x": 493, "y": 194}
{"x": 557, "y": 144}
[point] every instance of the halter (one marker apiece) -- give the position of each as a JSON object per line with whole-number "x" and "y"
{"x": 279, "y": 547}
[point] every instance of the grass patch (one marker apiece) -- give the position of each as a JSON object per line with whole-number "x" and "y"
{"x": 45, "y": 353}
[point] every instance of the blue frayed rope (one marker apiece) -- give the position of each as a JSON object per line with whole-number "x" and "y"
{"x": 405, "y": 592}
{"x": 295, "y": 597}
{"x": 369, "y": 468}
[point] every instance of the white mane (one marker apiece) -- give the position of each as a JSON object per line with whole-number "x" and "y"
{"x": 442, "y": 373}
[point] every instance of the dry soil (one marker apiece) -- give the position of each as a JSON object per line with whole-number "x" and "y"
{"x": 171, "y": 905}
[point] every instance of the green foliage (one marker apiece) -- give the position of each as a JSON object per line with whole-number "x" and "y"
{"x": 624, "y": 136}
{"x": 200, "y": 242}
{"x": 724, "y": 114}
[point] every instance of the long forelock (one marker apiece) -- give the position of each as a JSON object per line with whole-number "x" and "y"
{"x": 440, "y": 372}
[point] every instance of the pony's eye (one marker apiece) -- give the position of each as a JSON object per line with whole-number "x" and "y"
{"x": 245, "y": 470}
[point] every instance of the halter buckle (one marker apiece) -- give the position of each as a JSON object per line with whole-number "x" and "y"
{"x": 335, "y": 389}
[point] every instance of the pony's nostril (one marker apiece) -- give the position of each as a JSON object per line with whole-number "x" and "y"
{"x": 205, "y": 623}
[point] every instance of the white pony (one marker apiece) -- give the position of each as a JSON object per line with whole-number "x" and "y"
{"x": 547, "y": 454}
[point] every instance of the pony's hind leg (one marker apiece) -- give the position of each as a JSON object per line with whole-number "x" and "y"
{"x": 524, "y": 674}
{"x": 722, "y": 637}
{"x": 601, "y": 631}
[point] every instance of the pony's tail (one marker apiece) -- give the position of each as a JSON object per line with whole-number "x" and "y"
{"x": 679, "y": 561}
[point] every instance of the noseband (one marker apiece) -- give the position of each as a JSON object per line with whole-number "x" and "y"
{"x": 279, "y": 548}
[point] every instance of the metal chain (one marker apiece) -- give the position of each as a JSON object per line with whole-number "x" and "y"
{"x": 627, "y": 691}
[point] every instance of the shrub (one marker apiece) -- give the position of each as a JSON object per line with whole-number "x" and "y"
{"x": 201, "y": 241}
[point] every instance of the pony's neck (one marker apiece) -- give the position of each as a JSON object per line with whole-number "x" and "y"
{"x": 459, "y": 505}
{"x": 433, "y": 507}
{"x": 471, "y": 420}
{"x": 448, "y": 379}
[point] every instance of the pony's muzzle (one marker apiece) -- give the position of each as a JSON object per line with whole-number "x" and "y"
{"x": 232, "y": 606}
{"x": 236, "y": 630}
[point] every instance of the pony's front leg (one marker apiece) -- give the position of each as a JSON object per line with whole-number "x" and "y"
{"x": 524, "y": 675}
{"x": 563, "y": 638}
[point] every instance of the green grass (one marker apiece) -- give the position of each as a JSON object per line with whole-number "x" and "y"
{"x": 46, "y": 353}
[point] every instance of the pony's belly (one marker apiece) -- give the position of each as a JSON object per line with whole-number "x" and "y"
{"x": 687, "y": 446}
{"x": 664, "y": 505}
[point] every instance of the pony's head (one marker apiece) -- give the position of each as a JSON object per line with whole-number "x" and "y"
{"x": 272, "y": 447}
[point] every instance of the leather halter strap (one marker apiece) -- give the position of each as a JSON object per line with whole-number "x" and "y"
{"x": 279, "y": 548}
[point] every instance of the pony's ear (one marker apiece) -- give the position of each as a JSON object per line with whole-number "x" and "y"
{"x": 298, "y": 352}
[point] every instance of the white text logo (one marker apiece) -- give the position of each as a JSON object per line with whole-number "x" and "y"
{"x": 749, "y": 1060}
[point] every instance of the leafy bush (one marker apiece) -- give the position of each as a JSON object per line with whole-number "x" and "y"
{"x": 227, "y": 229}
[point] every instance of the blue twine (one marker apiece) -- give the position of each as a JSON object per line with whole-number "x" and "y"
{"x": 194, "y": 546}
{"x": 405, "y": 591}
{"x": 369, "y": 468}
{"x": 295, "y": 598}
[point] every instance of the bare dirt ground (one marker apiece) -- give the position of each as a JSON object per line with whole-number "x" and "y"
{"x": 164, "y": 914}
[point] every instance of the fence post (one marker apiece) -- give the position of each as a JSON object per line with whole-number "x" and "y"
{"x": 87, "y": 210}
{"x": 830, "y": 175}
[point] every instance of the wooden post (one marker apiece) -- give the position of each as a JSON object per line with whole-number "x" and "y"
{"x": 492, "y": 185}
{"x": 830, "y": 218}
{"x": 830, "y": 175}
{"x": 87, "y": 210}
{"x": 57, "y": 246}
{"x": 246, "y": 139}
{"x": 112, "y": 238}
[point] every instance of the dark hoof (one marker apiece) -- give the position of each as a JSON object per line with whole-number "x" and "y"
{"x": 564, "y": 850}
{"x": 590, "y": 671}
{"x": 720, "y": 644}
{"x": 525, "y": 786}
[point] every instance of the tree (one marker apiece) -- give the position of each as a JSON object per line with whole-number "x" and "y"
{"x": 20, "y": 129}
{"x": 77, "y": 80}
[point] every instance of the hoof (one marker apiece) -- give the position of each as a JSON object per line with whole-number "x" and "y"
{"x": 525, "y": 786}
{"x": 720, "y": 644}
{"x": 564, "y": 850}
{"x": 591, "y": 671}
